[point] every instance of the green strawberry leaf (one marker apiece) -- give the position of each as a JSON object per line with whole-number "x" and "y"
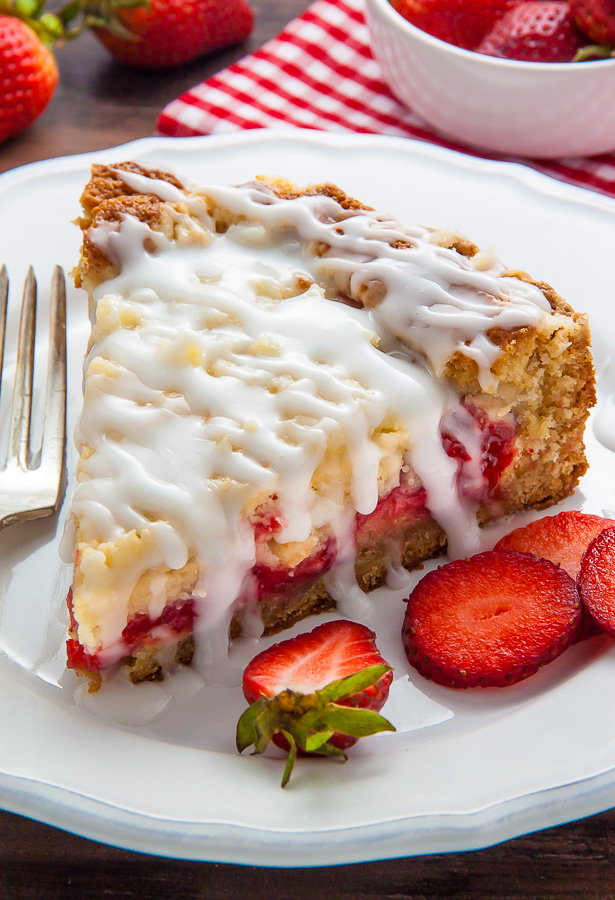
{"x": 331, "y": 750}
{"x": 52, "y": 26}
{"x": 319, "y": 739}
{"x": 313, "y": 740}
{"x": 69, "y": 11}
{"x": 593, "y": 51}
{"x": 348, "y": 720}
{"x": 28, "y": 9}
{"x": 307, "y": 731}
{"x": 290, "y": 760}
{"x": 252, "y": 727}
{"x": 352, "y": 684}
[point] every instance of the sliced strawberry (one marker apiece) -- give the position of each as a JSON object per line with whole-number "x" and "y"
{"x": 563, "y": 539}
{"x": 596, "y": 581}
{"x": 490, "y": 620}
{"x": 535, "y": 31}
{"x": 317, "y": 693}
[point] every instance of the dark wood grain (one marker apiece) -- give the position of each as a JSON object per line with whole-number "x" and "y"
{"x": 100, "y": 104}
{"x": 572, "y": 862}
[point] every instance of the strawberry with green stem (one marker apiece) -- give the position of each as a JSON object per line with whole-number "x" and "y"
{"x": 315, "y": 694}
{"x": 162, "y": 34}
{"x": 28, "y": 70}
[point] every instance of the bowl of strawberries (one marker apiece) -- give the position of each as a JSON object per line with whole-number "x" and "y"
{"x": 523, "y": 77}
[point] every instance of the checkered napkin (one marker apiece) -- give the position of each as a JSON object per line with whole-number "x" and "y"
{"x": 319, "y": 73}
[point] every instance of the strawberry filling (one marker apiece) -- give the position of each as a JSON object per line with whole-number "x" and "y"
{"x": 176, "y": 620}
{"x": 79, "y": 659}
{"x": 401, "y": 506}
{"x": 397, "y": 510}
{"x": 273, "y": 581}
{"x": 267, "y": 525}
{"x": 77, "y": 656}
{"x": 497, "y": 451}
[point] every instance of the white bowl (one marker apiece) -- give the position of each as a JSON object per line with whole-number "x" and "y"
{"x": 524, "y": 108}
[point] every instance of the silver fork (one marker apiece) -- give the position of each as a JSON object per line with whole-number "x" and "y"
{"x": 31, "y": 481}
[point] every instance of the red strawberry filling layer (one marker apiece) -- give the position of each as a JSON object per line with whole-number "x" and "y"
{"x": 271, "y": 581}
{"x": 394, "y": 513}
{"x": 176, "y": 621}
{"x": 496, "y": 452}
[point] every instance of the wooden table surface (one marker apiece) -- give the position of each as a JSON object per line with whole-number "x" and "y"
{"x": 101, "y": 104}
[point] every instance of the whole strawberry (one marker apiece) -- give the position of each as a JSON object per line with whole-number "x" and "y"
{"x": 28, "y": 76}
{"x": 460, "y": 22}
{"x": 596, "y": 18}
{"x": 162, "y": 34}
{"x": 535, "y": 31}
{"x": 317, "y": 693}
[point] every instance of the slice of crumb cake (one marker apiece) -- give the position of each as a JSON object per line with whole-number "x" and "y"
{"x": 286, "y": 394}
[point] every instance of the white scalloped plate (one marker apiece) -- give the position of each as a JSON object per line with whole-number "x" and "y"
{"x": 467, "y": 769}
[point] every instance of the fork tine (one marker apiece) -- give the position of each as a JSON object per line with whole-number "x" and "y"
{"x": 54, "y": 434}
{"x": 19, "y": 434}
{"x": 4, "y": 297}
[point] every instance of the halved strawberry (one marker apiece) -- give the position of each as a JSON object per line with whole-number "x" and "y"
{"x": 563, "y": 539}
{"x": 460, "y": 22}
{"x": 596, "y": 581}
{"x": 317, "y": 693}
{"x": 491, "y": 620}
{"x": 535, "y": 31}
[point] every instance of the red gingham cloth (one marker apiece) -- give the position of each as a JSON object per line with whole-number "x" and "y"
{"x": 319, "y": 73}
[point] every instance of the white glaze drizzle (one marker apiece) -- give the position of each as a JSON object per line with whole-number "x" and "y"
{"x": 436, "y": 300}
{"x": 214, "y": 395}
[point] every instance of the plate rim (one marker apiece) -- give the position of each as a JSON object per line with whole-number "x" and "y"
{"x": 515, "y": 168}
